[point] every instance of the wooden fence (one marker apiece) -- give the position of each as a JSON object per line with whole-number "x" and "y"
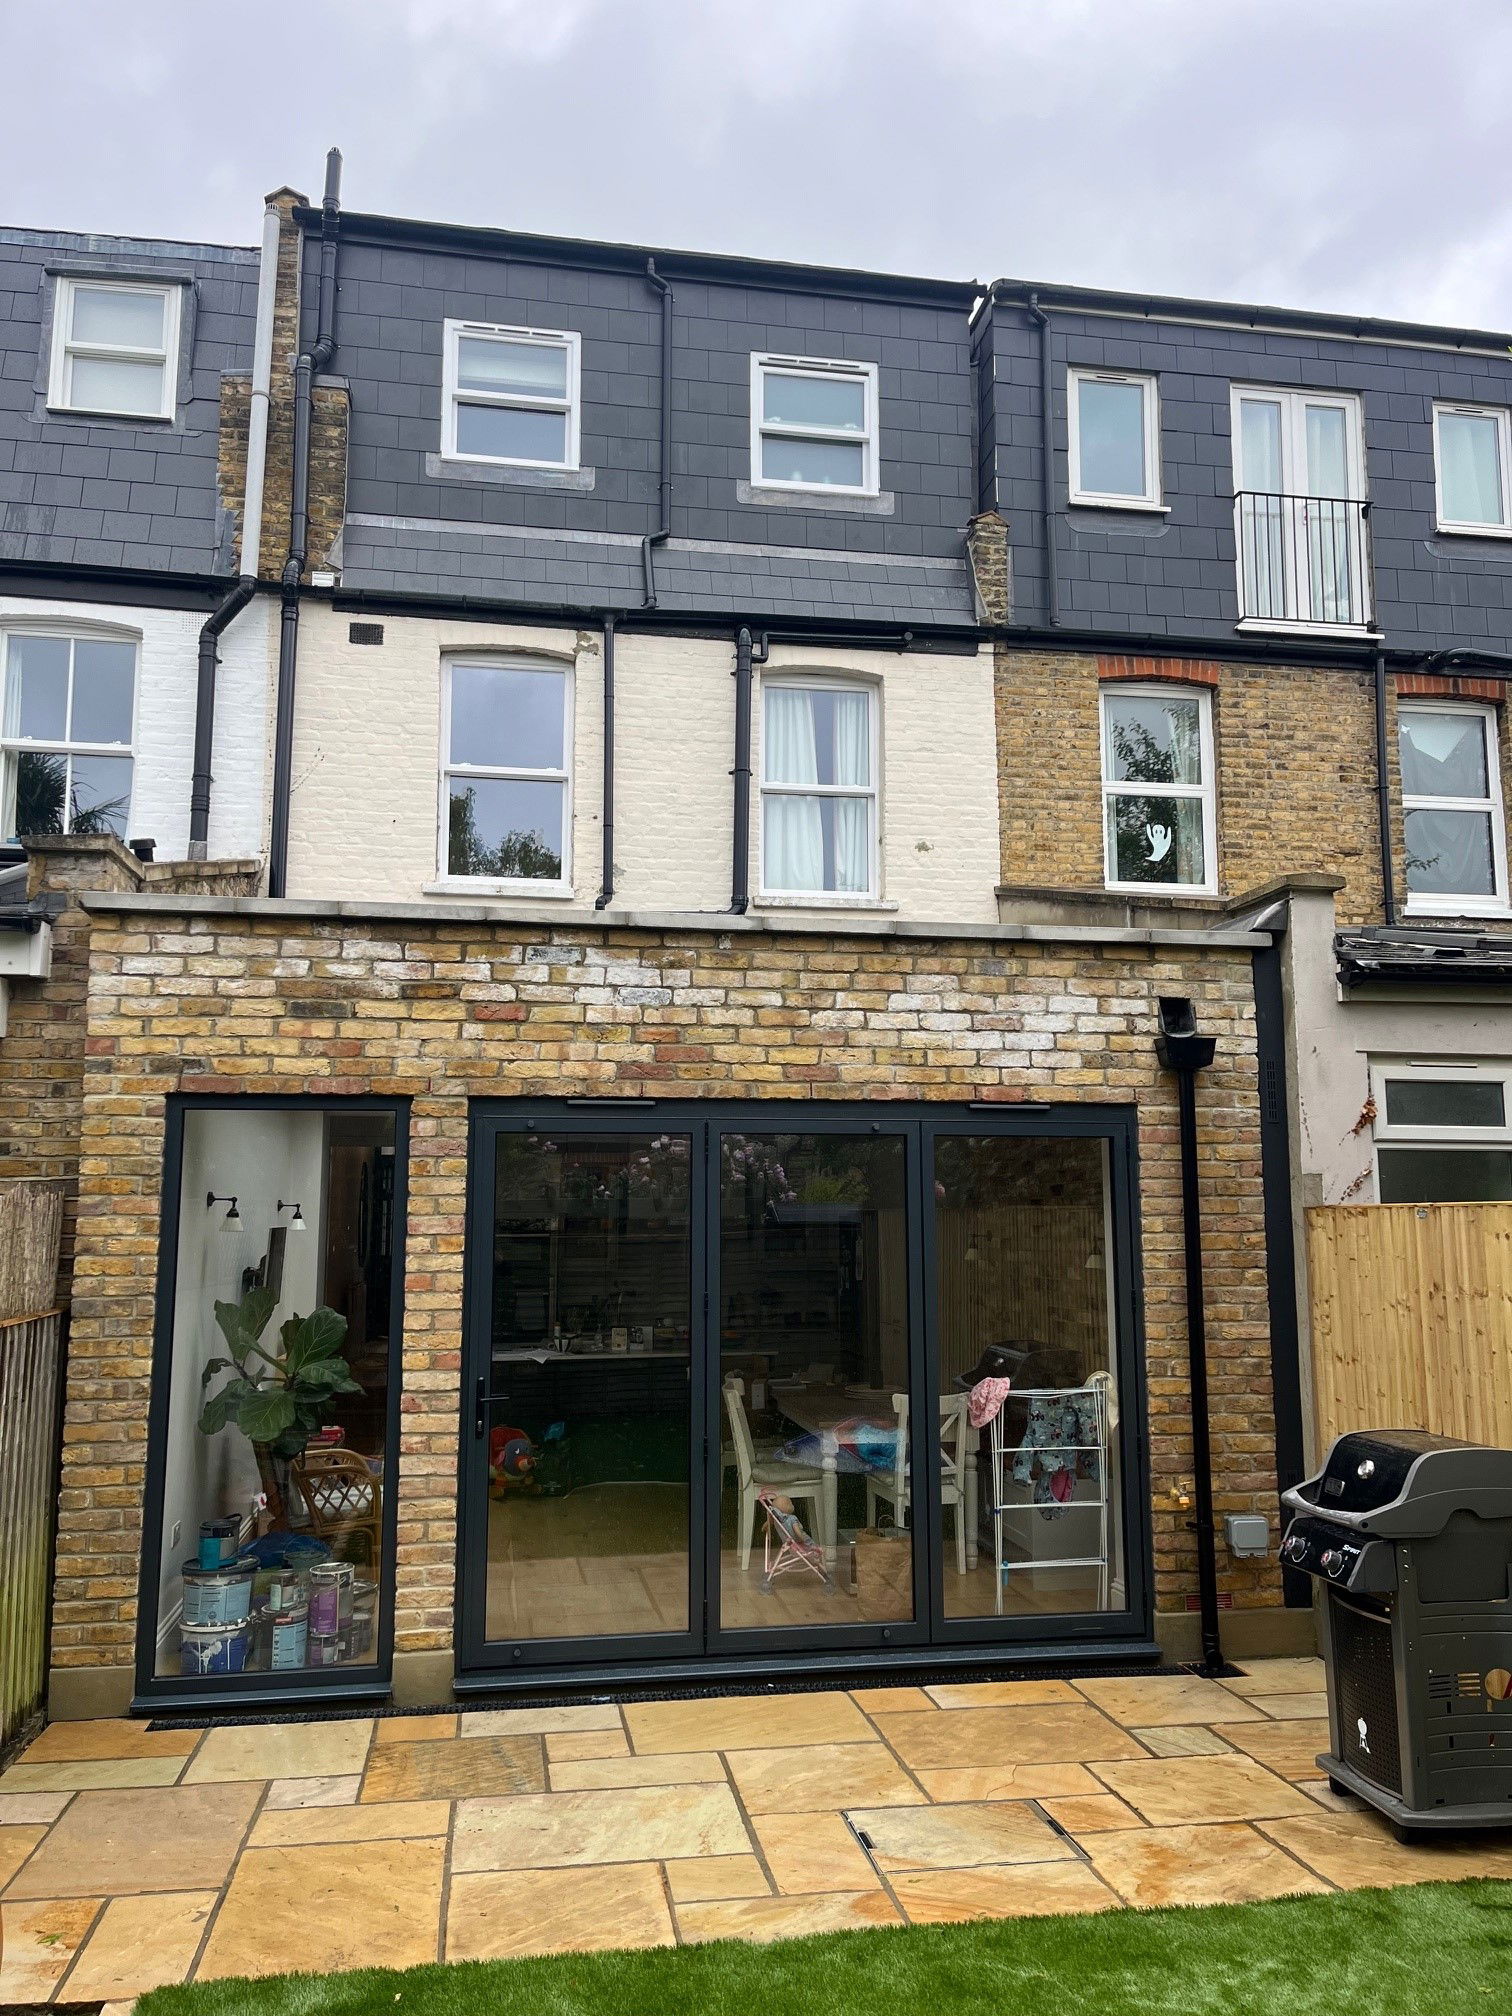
{"x": 1412, "y": 1318}
{"x": 31, "y": 1223}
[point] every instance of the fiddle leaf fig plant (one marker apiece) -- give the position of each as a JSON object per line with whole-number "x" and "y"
{"x": 278, "y": 1398}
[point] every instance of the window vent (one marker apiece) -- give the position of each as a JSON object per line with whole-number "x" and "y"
{"x": 365, "y": 633}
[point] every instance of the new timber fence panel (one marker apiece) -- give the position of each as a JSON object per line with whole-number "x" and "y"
{"x": 1412, "y": 1318}
{"x": 31, "y": 1225}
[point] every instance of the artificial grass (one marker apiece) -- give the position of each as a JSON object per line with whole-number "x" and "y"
{"x": 1424, "y": 1950}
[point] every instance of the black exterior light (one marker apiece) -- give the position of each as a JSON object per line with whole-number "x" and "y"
{"x": 1181, "y": 1049}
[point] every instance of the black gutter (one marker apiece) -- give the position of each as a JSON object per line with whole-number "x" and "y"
{"x": 1038, "y": 316}
{"x": 306, "y": 365}
{"x": 204, "y": 711}
{"x": 606, "y": 886}
{"x": 1383, "y": 789}
{"x": 1280, "y": 1241}
{"x": 1495, "y": 664}
{"x": 740, "y": 875}
{"x": 1182, "y": 1050}
{"x": 663, "y": 530}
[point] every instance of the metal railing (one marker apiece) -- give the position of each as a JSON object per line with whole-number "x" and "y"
{"x": 1303, "y": 559}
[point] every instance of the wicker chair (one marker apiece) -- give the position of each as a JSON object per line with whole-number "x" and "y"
{"x": 342, "y": 1497}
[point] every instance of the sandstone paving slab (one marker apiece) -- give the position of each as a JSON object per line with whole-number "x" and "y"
{"x": 1157, "y": 1700}
{"x": 1356, "y": 1850}
{"x": 1007, "y": 1781}
{"x": 1056, "y": 1733}
{"x": 466, "y": 1767}
{"x": 1276, "y": 1676}
{"x": 713, "y": 1877}
{"x": 78, "y": 1742}
{"x": 290, "y": 1792}
{"x": 1099, "y": 1813}
{"x": 890, "y": 1700}
{"x": 1290, "y": 1748}
{"x": 1016, "y": 1890}
{"x": 141, "y": 1943}
{"x": 746, "y": 1722}
{"x": 821, "y": 1779}
{"x": 328, "y": 1909}
{"x": 1292, "y": 1707}
{"x": 760, "y": 1919}
{"x": 1225, "y": 1864}
{"x": 16, "y": 1843}
{"x": 1182, "y": 1740}
{"x": 1183, "y": 1791}
{"x": 505, "y": 1914}
{"x": 124, "y": 1843}
{"x": 38, "y": 1941}
{"x": 91, "y": 1774}
{"x": 572, "y": 1746}
{"x": 414, "y": 1729}
{"x": 959, "y": 1837}
{"x": 1001, "y": 1693}
{"x": 635, "y": 1824}
{"x": 281, "y": 1750}
{"x": 703, "y": 1767}
{"x": 810, "y": 1853}
{"x": 23, "y": 1809}
{"x": 538, "y": 1721}
{"x": 398, "y": 1820}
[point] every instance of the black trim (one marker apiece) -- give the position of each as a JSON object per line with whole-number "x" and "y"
{"x": 1383, "y": 789}
{"x": 606, "y": 885}
{"x": 144, "y": 586}
{"x": 154, "y": 1689}
{"x": 485, "y": 1666}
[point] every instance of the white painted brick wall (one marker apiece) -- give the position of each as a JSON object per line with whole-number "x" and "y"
{"x": 168, "y": 666}
{"x": 367, "y": 754}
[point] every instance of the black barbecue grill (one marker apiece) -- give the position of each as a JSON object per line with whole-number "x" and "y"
{"x": 1411, "y": 1536}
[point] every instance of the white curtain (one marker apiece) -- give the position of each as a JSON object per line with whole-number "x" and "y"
{"x": 794, "y": 837}
{"x": 852, "y": 765}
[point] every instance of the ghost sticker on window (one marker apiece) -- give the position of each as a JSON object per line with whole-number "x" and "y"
{"x": 1159, "y": 839}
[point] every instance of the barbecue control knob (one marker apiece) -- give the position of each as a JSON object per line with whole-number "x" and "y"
{"x": 1365, "y": 1469}
{"x": 1294, "y": 1548}
{"x": 1331, "y": 1561}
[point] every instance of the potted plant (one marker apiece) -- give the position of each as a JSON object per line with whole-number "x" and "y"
{"x": 277, "y": 1398}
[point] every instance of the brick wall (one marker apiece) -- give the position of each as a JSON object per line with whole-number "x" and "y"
{"x": 446, "y": 1011}
{"x": 1295, "y": 749}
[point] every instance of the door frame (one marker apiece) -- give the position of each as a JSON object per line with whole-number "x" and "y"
{"x": 706, "y": 1640}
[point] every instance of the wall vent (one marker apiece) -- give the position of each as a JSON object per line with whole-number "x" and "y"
{"x": 365, "y": 633}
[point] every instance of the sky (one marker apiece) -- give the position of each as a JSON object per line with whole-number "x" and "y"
{"x": 1336, "y": 154}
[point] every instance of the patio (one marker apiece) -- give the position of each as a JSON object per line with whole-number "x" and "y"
{"x": 130, "y": 1858}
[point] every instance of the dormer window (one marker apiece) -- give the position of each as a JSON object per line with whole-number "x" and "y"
{"x": 511, "y": 395}
{"x": 814, "y": 425}
{"x": 115, "y": 348}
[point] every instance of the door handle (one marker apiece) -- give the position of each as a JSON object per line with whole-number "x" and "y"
{"x": 480, "y": 1404}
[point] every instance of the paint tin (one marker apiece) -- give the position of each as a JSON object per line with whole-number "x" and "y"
{"x": 217, "y": 1542}
{"x": 213, "y": 1648}
{"x": 288, "y": 1639}
{"x": 326, "y": 1648}
{"x": 364, "y": 1615}
{"x": 283, "y": 1587}
{"x": 216, "y": 1597}
{"x": 330, "y": 1596}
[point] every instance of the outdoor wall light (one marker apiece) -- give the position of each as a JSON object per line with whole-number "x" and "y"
{"x": 232, "y": 1222}
{"x": 297, "y": 1222}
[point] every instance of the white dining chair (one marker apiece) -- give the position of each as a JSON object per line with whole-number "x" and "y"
{"x": 894, "y": 1487}
{"x": 764, "y": 1471}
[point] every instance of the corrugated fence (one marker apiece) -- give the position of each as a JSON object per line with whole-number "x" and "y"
{"x": 31, "y": 1220}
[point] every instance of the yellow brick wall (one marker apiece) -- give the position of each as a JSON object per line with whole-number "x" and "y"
{"x": 443, "y": 1012}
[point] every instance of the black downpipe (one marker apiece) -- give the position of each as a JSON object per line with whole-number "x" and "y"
{"x": 226, "y": 610}
{"x": 606, "y": 886}
{"x": 1183, "y": 1051}
{"x": 1383, "y": 791}
{"x": 664, "y": 481}
{"x": 308, "y": 363}
{"x": 740, "y": 879}
{"x": 1047, "y": 460}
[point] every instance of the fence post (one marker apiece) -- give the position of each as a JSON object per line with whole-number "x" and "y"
{"x": 31, "y": 1229}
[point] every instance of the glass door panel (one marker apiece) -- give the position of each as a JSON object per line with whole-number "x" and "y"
{"x": 1030, "y": 1483}
{"x": 815, "y": 1515}
{"x": 586, "y": 1402}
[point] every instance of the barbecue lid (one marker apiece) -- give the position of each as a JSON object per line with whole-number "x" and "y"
{"x": 1414, "y": 1480}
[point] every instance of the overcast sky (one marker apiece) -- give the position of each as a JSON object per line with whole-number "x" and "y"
{"x": 1344, "y": 154}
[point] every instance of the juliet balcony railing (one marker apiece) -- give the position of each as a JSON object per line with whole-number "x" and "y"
{"x": 1303, "y": 560}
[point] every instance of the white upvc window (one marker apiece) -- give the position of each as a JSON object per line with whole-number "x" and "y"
{"x": 506, "y": 774}
{"x": 1113, "y": 418}
{"x": 115, "y": 348}
{"x": 1454, "y": 828}
{"x": 69, "y": 733}
{"x": 511, "y": 395}
{"x": 1472, "y": 458}
{"x": 1443, "y": 1130}
{"x": 818, "y": 788}
{"x": 814, "y": 425}
{"x": 1301, "y": 520}
{"x": 1160, "y": 826}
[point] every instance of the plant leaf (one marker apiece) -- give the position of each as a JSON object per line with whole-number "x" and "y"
{"x": 215, "y": 1365}
{"x": 225, "y": 1406}
{"x": 242, "y": 1323}
{"x": 265, "y": 1413}
{"x": 308, "y": 1339}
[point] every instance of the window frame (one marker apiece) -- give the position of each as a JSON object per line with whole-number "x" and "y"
{"x": 824, "y": 899}
{"x": 65, "y": 347}
{"x": 14, "y": 746}
{"x": 869, "y": 439}
{"x": 528, "y": 774}
{"x": 1439, "y": 1137}
{"x": 1439, "y": 904}
{"x": 1293, "y": 401}
{"x": 1206, "y": 791}
{"x": 1150, "y": 498}
{"x": 1503, "y": 419}
{"x": 568, "y": 340}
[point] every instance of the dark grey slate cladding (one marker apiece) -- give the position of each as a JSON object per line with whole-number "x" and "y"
{"x": 393, "y": 302}
{"x": 117, "y": 493}
{"x": 1174, "y": 576}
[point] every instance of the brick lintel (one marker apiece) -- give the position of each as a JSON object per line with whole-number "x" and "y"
{"x": 1167, "y": 671}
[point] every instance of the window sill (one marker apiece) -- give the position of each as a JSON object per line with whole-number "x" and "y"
{"x": 516, "y": 475}
{"x": 778, "y": 497}
{"x": 1466, "y": 910}
{"x": 1354, "y": 633}
{"x": 1475, "y": 531}
{"x": 94, "y": 414}
{"x": 483, "y": 885}
{"x": 1165, "y": 892}
{"x": 1119, "y": 504}
{"x": 822, "y": 900}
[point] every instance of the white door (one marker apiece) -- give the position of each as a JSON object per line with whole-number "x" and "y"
{"x": 1299, "y": 514}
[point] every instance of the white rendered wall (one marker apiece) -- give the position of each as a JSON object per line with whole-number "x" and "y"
{"x": 167, "y": 678}
{"x": 365, "y": 808}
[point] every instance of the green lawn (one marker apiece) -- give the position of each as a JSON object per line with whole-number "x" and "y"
{"x": 1425, "y": 1950}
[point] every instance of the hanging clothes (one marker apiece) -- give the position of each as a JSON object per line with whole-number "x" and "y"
{"x": 1062, "y": 1441}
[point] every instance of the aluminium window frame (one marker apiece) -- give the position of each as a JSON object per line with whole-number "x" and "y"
{"x": 65, "y": 347}
{"x": 12, "y": 747}
{"x": 511, "y": 885}
{"x": 1439, "y": 1137}
{"x": 1465, "y": 409}
{"x": 824, "y": 899}
{"x": 1441, "y": 903}
{"x": 1206, "y": 791}
{"x": 1150, "y": 498}
{"x": 869, "y": 439}
{"x": 570, "y": 404}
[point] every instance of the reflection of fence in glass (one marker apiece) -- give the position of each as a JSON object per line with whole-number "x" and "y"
{"x": 1302, "y": 559}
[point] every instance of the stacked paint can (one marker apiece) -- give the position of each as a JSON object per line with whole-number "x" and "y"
{"x": 216, "y": 1631}
{"x": 332, "y": 1591}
